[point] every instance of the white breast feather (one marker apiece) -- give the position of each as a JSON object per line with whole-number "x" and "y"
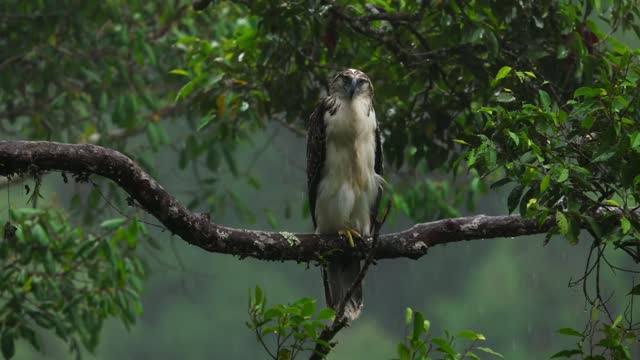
{"x": 349, "y": 185}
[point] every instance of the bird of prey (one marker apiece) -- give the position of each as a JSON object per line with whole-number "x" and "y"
{"x": 344, "y": 176}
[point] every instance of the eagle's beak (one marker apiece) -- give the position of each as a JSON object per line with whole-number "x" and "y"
{"x": 353, "y": 87}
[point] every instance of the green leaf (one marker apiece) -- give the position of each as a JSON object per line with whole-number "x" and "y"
{"x": 505, "y": 97}
{"x": 486, "y": 109}
{"x": 490, "y": 351}
{"x": 526, "y": 201}
{"x": 625, "y": 224}
{"x": 112, "y": 224}
{"x": 150, "y": 54}
{"x": 563, "y": 176}
{"x": 563, "y": 224}
{"x": 544, "y": 184}
{"x": 205, "y": 121}
{"x": 471, "y": 335}
{"x": 17, "y": 214}
{"x": 259, "y": 297}
{"x": 49, "y": 263}
{"x": 491, "y": 157}
{"x": 587, "y": 122}
{"x": 27, "y": 284}
{"x": 403, "y": 352}
{"x": 472, "y": 356}
{"x": 308, "y": 308}
{"x": 566, "y": 353}
{"x": 326, "y": 314}
{"x": 186, "y": 90}
{"x": 418, "y": 326}
{"x": 83, "y": 249}
{"x": 31, "y": 337}
{"x": 471, "y": 158}
{"x": 8, "y": 346}
{"x": 408, "y": 315}
{"x": 635, "y": 140}
{"x": 545, "y": 100}
{"x": 444, "y": 347}
{"x": 460, "y": 141}
{"x": 179, "y": 72}
{"x": 589, "y": 92}
{"x": 605, "y": 156}
{"x": 40, "y": 235}
{"x": 502, "y": 73}
{"x": 612, "y": 202}
{"x": 273, "y": 313}
{"x": 617, "y": 321}
{"x": 514, "y": 137}
{"x": 569, "y": 331}
{"x": 514, "y": 198}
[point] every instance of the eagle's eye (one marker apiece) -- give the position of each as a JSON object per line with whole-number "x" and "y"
{"x": 361, "y": 81}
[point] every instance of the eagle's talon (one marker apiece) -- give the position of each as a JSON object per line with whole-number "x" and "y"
{"x": 349, "y": 234}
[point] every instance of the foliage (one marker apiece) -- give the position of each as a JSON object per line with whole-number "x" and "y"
{"x": 285, "y": 331}
{"x": 575, "y": 160}
{"x": 559, "y": 153}
{"x": 433, "y": 69}
{"x": 99, "y": 72}
{"x": 600, "y": 341}
{"x": 88, "y": 74}
{"x": 421, "y": 345}
{"x": 61, "y": 279}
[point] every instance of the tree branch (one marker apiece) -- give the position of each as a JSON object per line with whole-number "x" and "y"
{"x": 20, "y": 157}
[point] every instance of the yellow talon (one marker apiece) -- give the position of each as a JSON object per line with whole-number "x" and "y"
{"x": 349, "y": 234}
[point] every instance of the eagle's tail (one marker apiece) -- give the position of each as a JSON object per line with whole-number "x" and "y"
{"x": 338, "y": 276}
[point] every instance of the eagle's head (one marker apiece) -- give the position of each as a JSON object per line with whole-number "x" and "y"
{"x": 350, "y": 84}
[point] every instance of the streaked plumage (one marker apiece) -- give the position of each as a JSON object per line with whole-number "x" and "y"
{"x": 344, "y": 169}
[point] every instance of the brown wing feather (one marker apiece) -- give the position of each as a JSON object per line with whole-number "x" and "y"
{"x": 378, "y": 166}
{"x": 379, "y": 161}
{"x": 316, "y": 150}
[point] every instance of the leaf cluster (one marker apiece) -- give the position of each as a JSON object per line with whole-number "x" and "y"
{"x": 420, "y": 344}
{"x": 58, "y": 279}
{"x": 600, "y": 341}
{"x": 286, "y": 331}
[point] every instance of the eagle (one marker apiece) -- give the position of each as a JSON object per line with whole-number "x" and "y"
{"x": 344, "y": 176}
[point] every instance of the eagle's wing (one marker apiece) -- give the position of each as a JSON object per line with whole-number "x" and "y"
{"x": 316, "y": 150}
{"x": 378, "y": 167}
{"x": 379, "y": 162}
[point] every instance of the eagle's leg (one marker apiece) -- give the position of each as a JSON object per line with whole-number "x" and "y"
{"x": 350, "y": 234}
